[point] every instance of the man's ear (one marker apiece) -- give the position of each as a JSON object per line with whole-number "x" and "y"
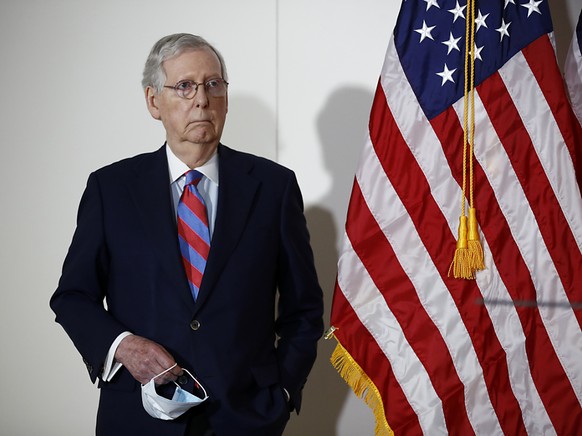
{"x": 152, "y": 102}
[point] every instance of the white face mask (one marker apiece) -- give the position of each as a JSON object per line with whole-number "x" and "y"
{"x": 162, "y": 408}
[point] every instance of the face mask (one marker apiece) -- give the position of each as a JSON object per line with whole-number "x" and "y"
{"x": 162, "y": 408}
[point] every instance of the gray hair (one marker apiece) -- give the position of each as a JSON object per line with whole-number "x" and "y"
{"x": 168, "y": 47}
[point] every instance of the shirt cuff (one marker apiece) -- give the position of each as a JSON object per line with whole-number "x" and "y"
{"x": 111, "y": 366}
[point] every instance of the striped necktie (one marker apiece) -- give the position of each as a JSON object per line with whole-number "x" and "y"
{"x": 193, "y": 233}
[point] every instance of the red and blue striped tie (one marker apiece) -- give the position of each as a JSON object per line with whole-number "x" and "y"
{"x": 193, "y": 233}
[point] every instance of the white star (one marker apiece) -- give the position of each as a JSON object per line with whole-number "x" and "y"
{"x": 452, "y": 43}
{"x": 503, "y": 30}
{"x": 457, "y": 12}
{"x": 447, "y": 75}
{"x": 480, "y": 21}
{"x": 425, "y": 31}
{"x": 478, "y": 52}
{"x": 532, "y": 6}
{"x": 507, "y": 2}
{"x": 430, "y": 3}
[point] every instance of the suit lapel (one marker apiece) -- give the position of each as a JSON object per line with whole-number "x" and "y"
{"x": 236, "y": 191}
{"x": 151, "y": 193}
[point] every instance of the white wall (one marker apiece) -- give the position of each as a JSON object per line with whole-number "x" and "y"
{"x": 302, "y": 75}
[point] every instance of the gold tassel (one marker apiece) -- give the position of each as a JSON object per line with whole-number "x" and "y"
{"x": 461, "y": 264}
{"x": 474, "y": 244}
{"x": 468, "y": 256}
{"x": 362, "y": 386}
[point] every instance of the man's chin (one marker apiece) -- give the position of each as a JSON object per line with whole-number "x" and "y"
{"x": 201, "y": 134}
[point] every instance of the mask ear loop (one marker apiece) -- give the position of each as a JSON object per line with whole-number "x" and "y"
{"x": 164, "y": 371}
{"x": 186, "y": 371}
{"x": 196, "y": 380}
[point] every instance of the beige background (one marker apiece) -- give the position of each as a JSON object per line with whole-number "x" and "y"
{"x": 302, "y": 73}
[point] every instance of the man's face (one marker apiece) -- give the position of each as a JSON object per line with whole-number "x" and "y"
{"x": 198, "y": 121}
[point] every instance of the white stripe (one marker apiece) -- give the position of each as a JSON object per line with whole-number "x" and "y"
{"x": 421, "y": 139}
{"x": 372, "y": 310}
{"x": 509, "y": 331}
{"x": 561, "y": 324}
{"x": 547, "y": 139}
{"x": 397, "y": 226}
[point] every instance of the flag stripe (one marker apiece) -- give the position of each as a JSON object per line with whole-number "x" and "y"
{"x": 508, "y": 329}
{"x": 516, "y": 276}
{"x": 508, "y": 259}
{"x": 424, "y": 340}
{"x": 513, "y": 269}
{"x": 387, "y": 331}
{"x": 552, "y": 140}
{"x": 356, "y": 337}
{"x": 555, "y": 230}
{"x": 547, "y": 75}
{"x": 520, "y": 217}
{"x": 418, "y": 205}
{"x": 552, "y": 223}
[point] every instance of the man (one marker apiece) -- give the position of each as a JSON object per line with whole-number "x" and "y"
{"x": 242, "y": 315}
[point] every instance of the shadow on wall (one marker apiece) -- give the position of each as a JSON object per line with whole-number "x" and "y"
{"x": 342, "y": 126}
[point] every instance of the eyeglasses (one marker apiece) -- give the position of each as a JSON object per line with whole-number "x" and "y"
{"x": 188, "y": 88}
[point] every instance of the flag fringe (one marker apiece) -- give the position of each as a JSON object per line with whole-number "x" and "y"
{"x": 362, "y": 386}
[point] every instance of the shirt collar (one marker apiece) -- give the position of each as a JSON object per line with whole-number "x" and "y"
{"x": 178, "y": 168}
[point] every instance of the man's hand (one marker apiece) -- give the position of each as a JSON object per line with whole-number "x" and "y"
{"x": 145, "y": 359}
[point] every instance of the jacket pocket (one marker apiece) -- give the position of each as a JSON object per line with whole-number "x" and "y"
{"x": 122, "y": 381}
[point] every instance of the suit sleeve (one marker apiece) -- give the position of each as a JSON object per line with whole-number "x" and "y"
{"x": 78, "y": 301}
{"x": 300, "y": 310}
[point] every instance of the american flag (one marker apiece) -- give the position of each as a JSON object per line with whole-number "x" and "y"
{"x": 573, "y": 70}
{"x": 431, "y": 354}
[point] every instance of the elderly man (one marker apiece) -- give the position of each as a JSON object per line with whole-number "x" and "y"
{"x": 201, "y": 253}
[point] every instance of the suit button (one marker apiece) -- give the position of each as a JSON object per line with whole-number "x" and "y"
{"x": 195, "y": 325}
{"x": 182, "y": 380}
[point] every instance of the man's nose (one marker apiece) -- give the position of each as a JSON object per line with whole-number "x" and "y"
{"x": 200, "y": 98}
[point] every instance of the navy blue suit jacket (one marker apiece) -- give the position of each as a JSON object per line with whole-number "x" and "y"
{"x": 242, "y": 339}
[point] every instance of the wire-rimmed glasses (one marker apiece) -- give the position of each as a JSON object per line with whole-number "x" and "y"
{"x": 188, "y": 88}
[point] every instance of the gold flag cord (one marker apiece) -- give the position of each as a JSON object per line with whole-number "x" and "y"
{"x": 468, "y": 256}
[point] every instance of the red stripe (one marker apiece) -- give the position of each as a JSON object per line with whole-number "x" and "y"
{"x": 193, "y": 238}
{"x": 363, "y": 348}
{"x": 197, "y": 207}
{"x": 547, "y": 372}
{"x": 413, "y": 189}
{"x": 424, "y": 338}
{"x": 550, "y": 219}
{"x": 550, "y": 81}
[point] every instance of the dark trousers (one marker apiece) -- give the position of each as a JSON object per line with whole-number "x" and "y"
{"x": 198, "y": 424}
